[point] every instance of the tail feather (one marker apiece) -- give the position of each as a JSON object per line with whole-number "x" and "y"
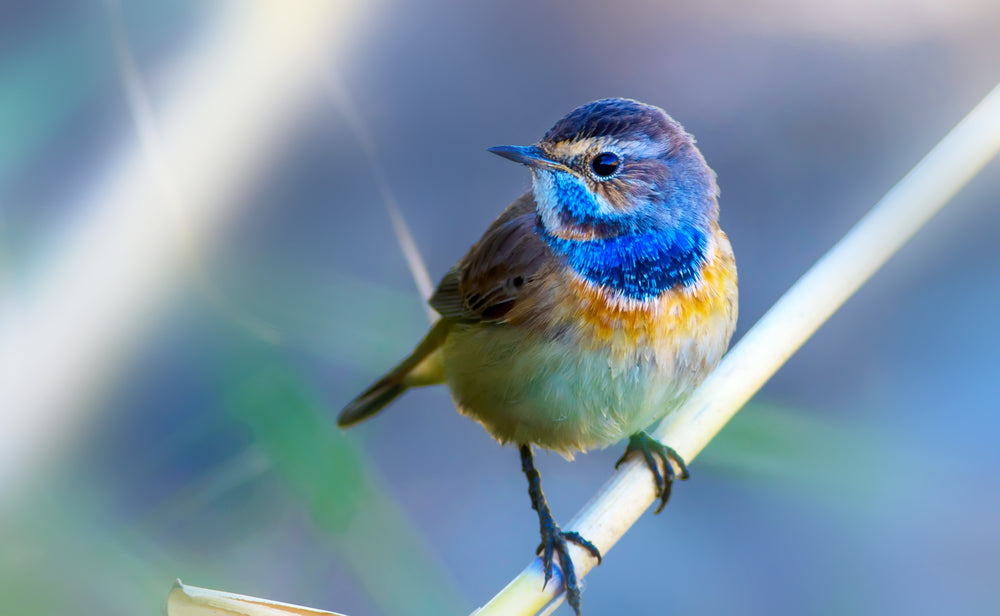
{"x": 370, "y": 402}
{"x": 416, "y": 370}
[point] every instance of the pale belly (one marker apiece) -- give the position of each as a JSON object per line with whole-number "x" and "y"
{"x": 525, "y": 388}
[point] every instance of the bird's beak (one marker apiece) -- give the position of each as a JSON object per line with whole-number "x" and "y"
{"x": 530, "y": 155}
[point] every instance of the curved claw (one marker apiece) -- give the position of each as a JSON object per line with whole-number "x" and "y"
{"x": 575, "y": 537}
{"x": 583, "y": 543}
{"x": 555, "y": 542}
{"x": 650, "y": 447}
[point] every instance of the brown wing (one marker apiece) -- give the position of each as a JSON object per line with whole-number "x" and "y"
{"x": 487, "y": 282}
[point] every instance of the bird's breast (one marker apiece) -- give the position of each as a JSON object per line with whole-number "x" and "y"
{"x": 577, "y": 365}
{"x": 687, "y": 323}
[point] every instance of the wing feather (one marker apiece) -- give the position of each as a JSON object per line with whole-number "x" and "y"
{"x": 498, "y": 270}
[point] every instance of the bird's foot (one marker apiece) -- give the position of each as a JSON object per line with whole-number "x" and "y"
{"x": 555, "y": 543}
{"x": 650, "y": 447}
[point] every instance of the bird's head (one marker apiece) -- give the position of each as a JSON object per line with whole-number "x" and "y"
{"x": 617, "y": 167}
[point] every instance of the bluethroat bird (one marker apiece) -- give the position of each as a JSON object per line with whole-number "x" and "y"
{"x": 590, "y": 308}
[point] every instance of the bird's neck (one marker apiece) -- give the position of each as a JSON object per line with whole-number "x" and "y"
{"x": 639, "y": 265}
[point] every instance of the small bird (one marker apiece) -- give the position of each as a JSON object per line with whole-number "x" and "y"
{"x": 590, "y": 308}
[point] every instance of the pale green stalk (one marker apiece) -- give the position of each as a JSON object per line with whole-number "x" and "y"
{"x": 789, "y": 323}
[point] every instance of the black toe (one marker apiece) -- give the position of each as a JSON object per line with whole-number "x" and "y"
{"x": 651, "y": 449}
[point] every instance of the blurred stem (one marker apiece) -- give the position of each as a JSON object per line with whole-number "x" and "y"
{"x": 779, "y": 333}
{"x": 227, "y": 105}
{"x": 418, "y": 269}
{"x": 168, "y": 189}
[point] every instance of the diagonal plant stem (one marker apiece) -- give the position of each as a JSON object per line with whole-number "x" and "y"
{"x": 778, "y": 334}
{"x": 170, "y": 191}
{"x": 226, "y": 105}
{"x": 418, "y": 269}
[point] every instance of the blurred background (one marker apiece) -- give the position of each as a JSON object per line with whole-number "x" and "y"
{"x": 197, "y": 270}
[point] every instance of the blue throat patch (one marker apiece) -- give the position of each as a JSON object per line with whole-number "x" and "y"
{"x": 639, "y": 265}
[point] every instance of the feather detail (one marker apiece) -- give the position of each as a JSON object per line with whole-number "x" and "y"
{"x": 497, "y": 271}
{"x": 422, "y": 367}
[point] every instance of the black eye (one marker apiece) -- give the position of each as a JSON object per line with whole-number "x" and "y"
{"x": 605, "y": 164}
